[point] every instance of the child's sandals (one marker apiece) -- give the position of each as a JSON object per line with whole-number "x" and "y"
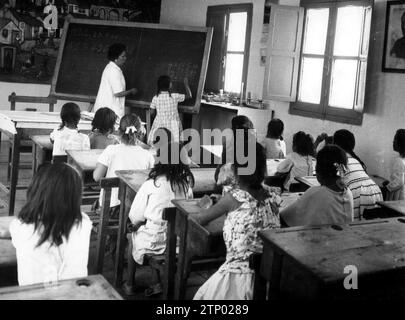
{"x": 154, "y": 290}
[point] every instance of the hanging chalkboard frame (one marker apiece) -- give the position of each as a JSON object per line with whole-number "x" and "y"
{"x": 132, "y": 103}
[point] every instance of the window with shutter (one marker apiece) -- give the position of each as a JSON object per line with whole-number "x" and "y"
{"x": 228, "y": 62}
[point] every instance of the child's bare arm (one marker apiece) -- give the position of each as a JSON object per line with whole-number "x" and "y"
{"x": 224, "y": 205}
{"x": 188, "y": 90}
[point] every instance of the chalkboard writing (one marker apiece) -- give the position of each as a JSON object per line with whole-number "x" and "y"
{"x": 152, "y": 50}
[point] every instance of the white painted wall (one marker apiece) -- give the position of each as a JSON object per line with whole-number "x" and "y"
{"x": 29, "y": 89}
{"x": 194, "y": 13}
{"x": 385, "y": 95}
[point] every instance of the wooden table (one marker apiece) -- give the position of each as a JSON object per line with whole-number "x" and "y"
{"x": 41, "y": 150}
{"x": 93, "y": 287}
{"x": 130, "y": 182}
{"x": 309, "y": 262}
{"x": 397, "y": 206}
{"x": 21, "y": 124}
{"x": 84, "y": 160}
{"x": 195, "y": 241}
{"x": 310, "y": 181}
{"x": 8, "y": 256}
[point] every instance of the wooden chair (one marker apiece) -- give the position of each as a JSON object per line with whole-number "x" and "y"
{"x": 26, "y": 143}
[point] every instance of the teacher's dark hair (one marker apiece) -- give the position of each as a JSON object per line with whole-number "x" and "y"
{"x": 115, "y": 50}
{"x": 53, "y": 202}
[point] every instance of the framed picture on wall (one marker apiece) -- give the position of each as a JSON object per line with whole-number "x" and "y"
{"x": 394, "y": 42}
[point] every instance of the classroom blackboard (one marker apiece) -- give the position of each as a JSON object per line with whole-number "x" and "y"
{"x": 152, "y": 50}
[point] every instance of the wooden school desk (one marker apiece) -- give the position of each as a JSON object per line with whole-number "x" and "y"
{"x": 310, "y": 262}
{"x": 93, "y": 287}
{"x": 20, "y": 124}
{"x": 130, "y": 182}
{"x": 195, "y": 241}
{"x": 8, "y": 258}
{"x": 41, "y": 150}
{"x": 396, "y": 206}
{"x": 84, "y": 160}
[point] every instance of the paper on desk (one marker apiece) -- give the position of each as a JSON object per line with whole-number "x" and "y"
{"x": 6, "y": 124}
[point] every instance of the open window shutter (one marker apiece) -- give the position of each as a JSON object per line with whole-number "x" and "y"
{"x": 283, "y": 53}
{"x": 215, "y": 19}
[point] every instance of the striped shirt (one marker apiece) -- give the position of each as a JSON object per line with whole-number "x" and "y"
{"x": 365, "y": 191}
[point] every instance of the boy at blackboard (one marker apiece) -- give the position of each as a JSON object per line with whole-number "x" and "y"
{"x": 111, "y": 92}
{"x": 165, "y": 104}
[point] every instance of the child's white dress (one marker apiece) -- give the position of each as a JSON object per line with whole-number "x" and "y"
{"x": 46, "y": 263}
{"x": 167, "y": 115}
{"x": 148, "y": 206}
{"x": 234, "y": 279}
{"x": 396, "y": 186}
{"x": 274, "y": 148}
{"x": 68, "y": 139}
{"x": 296, "y": 166}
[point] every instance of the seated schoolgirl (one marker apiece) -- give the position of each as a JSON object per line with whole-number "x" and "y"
{"x": 299, "y": 162}
{"x": 169, "y": 179}
{"x": 67, "y": 137}
{"x": 329, "y": 203}
{"x": 51, "y": 234}
{"x": 365, "y": 191}
{"x": 395, "y": 186}
{"x": 249, "y": 207}
{"x": 274, "y": 144}
{"x": 102, "y": 128}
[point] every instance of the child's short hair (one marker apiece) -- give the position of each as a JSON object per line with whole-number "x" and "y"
{"x": 163, "y": 84}
{"x": 255, "y": 179}
{"x": 275, "y": 129}
{"x": 303, "y": 144}
{"x": 53, "y": 202}
{"x": 399, "y": 142}
{"x": 328, "y": 159}
{"x": 345, "y": 139}
{"x": 70, "y": 114}
{"x": 104, "y": 120}
{"x": 241, "y": 122}
{"x": 130, "y": 128}
{"x": 173, "y": 167}
{"x": 115, "y": 50}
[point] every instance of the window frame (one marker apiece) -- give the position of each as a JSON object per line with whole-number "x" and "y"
{"x": 227, "y": 10}
{"x": 323, "y": 110}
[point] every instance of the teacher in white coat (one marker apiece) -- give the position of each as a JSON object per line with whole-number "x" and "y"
{"x": 111, "y": 92}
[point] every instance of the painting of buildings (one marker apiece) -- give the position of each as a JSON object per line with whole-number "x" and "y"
{"x": 28, "y": 48}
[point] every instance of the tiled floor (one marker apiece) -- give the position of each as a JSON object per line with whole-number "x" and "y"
{"x": 143, "y": 274}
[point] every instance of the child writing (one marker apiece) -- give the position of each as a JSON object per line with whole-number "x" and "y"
{"x": 165, "y": 104}
{"x": 102, "y": 128}
{"x": 51, "y": 234}
{"x": 274, "y": 144}
{"x": 365, "y": 192}
{"x": 329, "y": 203}
{"x": 168, "y": 180}
{"x": 395, "y": 185}
{"x": 299, "y": 162}
{"x": 249, "y": 208}
{"x": 128, "y": 155}
{"x": 67, "y": 137}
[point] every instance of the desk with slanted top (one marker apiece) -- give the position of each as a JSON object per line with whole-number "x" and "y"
{"x": 93, "y": 287}
{"x": 130, "y": 182}
{"x": 41, "y": 151}
{"x": 20, "y": 125}
{"x": 84, "y": 160}
{"x": 310, "y": 262}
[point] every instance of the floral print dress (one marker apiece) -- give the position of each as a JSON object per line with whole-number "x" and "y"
{"x": 234, "y": 279}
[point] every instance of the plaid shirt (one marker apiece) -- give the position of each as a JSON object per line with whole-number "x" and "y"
{"x": 167, "y": 115}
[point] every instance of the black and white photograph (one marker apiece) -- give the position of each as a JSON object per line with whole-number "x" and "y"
{"x": 202, "y": 159}
{"x": 394, "y": 45}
